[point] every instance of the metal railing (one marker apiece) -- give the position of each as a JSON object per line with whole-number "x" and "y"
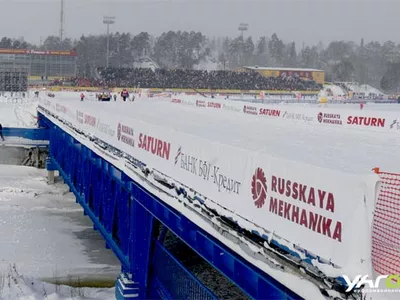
{"x": 35, "y": 134}
{"x": 170, "y": 275}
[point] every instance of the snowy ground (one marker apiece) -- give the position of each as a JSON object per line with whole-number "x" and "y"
{"x": 45, "y": 235}
{"x": 14, "y": 286}
{"x": 18, "y": 112}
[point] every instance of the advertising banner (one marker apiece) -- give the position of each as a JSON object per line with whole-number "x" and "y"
{"x": 38, "y": 52}
{"x": 377, "y": 121}
{"x": 319, "y": 209}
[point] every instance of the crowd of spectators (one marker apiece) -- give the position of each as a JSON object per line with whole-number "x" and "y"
{"x": 78, "y": 81}
{"x": 198, "y": 79}
{"x": 195, "y": 79}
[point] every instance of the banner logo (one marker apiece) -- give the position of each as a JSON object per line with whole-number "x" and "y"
{"x": 105, "y": 128}
{"x": 366, "y": 121}
{"x": 207, "y": 171}
{"x": 320, "y": 117}
{"x": 119, "y": 131}
{"x": 334, "y": 119}
{"x": 154, "y": 146}
{"x": 178, "y": 154}
{"x": 395, "y": 124}
{"x": 200, "y": 103}
{"x": 300, "y": 117}
{"x": 259, "y": 188}
{"x": 251, "y": 110}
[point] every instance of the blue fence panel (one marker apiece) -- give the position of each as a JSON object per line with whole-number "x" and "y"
{"x": 174, "y": 281}
{"x": 35, "y": 134}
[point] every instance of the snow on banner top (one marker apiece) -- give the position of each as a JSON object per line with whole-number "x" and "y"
{"x": 319, "y": 209}
{"x": 352, "y": 119}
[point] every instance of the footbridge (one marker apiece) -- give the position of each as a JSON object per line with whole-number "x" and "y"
{"x": 25, "y": 137}
{"x": 158, "y": 243}
{"x": 142, "y": 185}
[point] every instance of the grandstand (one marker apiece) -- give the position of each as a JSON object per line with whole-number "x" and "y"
{"x": 151, "y": 77}
{"x": 306, "y": 74}
{"x": 204, "y": 80}
{"x": 40, "y": 65}
{"x": 13, "y": 79}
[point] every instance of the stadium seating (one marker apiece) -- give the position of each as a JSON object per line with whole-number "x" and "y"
{"x": 193, "y": 79}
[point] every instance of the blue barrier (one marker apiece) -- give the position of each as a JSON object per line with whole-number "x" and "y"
{"x": 126, "y": 215}
{"x": 188, "y": 287}
{"x": 34, "y": 134}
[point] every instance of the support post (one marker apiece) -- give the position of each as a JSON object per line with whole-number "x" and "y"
{"x": 51, "y": 168}
{"x": 133, "y": 283}
{"x": 37, "y": 157}
{"x": 50, "y": 177}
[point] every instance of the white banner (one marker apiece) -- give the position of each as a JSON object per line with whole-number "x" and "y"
{"x": 318, "y": 209}
{"x": 365, "y": 119}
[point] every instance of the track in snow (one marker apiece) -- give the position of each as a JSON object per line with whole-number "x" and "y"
{"x": 22, "y": 114}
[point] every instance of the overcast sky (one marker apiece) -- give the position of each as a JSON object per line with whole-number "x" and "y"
{"x": 308, "y": 21}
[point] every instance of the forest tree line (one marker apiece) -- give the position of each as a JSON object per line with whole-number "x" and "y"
{"x": 374, "y": 63}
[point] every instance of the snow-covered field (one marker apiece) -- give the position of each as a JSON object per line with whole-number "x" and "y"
{"x": 44, "y": 235}
{"x": 14, "y": 286}
{"x": 18, "y": 113}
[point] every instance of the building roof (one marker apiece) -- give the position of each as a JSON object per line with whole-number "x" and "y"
{"x": 283, "y": 69}
{"x": 146, "y": 63}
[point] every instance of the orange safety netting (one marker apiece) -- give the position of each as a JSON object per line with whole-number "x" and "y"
{"x": 386, "y": 225}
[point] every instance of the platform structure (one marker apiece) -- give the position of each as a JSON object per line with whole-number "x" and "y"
{"x": 25, "y": 137}
{"x": 13, "y": 79}
{"x": 136, "y": 224}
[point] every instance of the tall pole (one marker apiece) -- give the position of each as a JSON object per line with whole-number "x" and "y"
{"x": 108, "y": 21}
{"x": 242, "y": 28}
{"x": 108, "y": 45}
{"x": 62, "y": 21}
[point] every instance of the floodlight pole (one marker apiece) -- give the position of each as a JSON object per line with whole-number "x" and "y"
{"x": 62, "y": 21}
{"x": 108, "y": 21}
{"x": 242, "y": 28}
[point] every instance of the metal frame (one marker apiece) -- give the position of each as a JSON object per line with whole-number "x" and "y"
{"x": 34, "y": 134}
{"x": 13, "y": 78}
{"x": 124, "y": 213}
